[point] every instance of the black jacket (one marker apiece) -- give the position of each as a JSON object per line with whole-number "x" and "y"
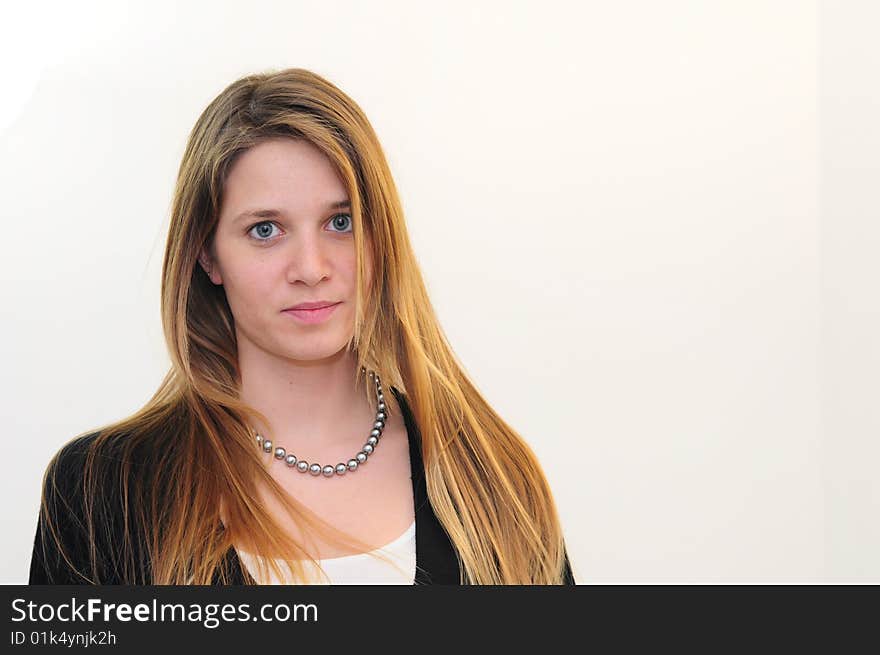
{"x": 436, "y": 560}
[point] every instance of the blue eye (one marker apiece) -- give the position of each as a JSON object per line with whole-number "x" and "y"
{"x": 262, "y": 231}
{"x": 338, "y": 216}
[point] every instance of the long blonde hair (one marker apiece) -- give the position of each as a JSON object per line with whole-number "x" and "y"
{"x": 191, "y": 444}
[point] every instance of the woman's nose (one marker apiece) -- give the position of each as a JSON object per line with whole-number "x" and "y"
{"x": 308, "y": 261}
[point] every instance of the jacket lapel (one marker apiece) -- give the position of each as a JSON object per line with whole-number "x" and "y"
{"x": 436, "y": 561}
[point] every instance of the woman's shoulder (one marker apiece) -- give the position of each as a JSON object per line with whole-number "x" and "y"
{"x": 67, "y": 465}
{"x": 81, "y": 511}
{"x": 87, "y": 475}
{"x": 70, "y": 456}
{"x": 79, "y": 445}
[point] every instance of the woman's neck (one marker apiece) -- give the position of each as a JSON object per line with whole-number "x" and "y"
{"x": 308, "y": 404}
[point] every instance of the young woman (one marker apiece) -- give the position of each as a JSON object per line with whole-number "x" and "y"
{"x": 315, "y": 425}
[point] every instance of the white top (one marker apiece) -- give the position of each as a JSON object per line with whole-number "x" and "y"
{"x": 362, "y": 568}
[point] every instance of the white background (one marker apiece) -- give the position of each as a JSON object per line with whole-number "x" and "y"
{"x": 650, "y": 231}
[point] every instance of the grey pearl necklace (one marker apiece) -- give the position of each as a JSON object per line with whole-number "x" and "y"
{"x": 302, "y": 465}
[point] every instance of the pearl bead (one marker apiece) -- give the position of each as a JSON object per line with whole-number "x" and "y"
{"x": 329, "y": 470}
{"x": 341, "y": 469}
{"x": 302, "y": 465}
{"x": 352, "y": 464}
{"x": 381, "y": 416}
{"x": 376, "y": 432}
{"x": 368, "y": 448}
{"x": 280, "y": 453}
{"x": 267, "y": 446}
{"x": 291, "y": 460}
{"x": 315, "y": 469}
{"x": 379, "y": 424}
{"x": 361, "y": 457}
{"x": 372, "y": 441}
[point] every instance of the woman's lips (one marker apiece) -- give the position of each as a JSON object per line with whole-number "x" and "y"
{"x": 311, "y": 315}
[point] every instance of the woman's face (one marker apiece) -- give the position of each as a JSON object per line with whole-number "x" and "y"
{"x": 300, "y": 248}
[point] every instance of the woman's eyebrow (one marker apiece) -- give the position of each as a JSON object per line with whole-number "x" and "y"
{"x": 275, "y": 213}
